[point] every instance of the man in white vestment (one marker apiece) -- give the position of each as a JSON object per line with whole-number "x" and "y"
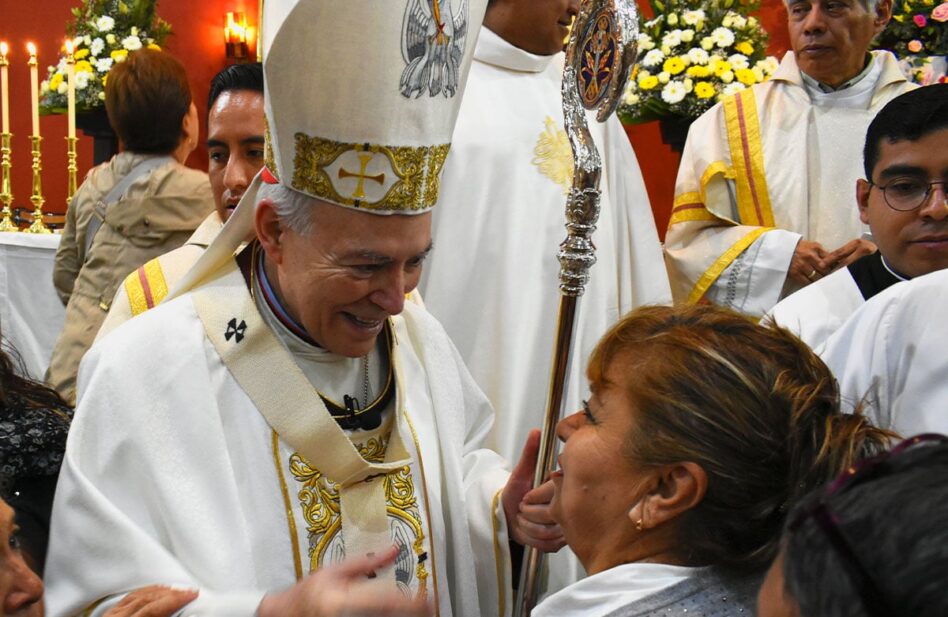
{"x": 764, "y": 191}
{"x": 235, "y": 155}
{"x": 891, "y": 353}
{"x": 267, "y": 433}
{"x": 493, "y": 283}
{"x": 906, "y": 161}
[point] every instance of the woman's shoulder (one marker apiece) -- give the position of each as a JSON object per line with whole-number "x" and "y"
{"x": 712, "y": 592}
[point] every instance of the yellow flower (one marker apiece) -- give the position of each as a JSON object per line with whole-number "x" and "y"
{"x": 745, "y": 48}
{"x": 105, "y": 78}
{"x": 83, "y": 67}
{"x": 82, "y": 53}
{"x": 157, "y": 48}
{"x": 119, "y": 55}
{"x": 720, "y": 67}
{"x": 698, "y": 71}
{"x": 704, "y": 90}
{"x": 647, "y": 83}
{"x": 746, "y": 76}
{"x": 674, "y": 65}
{"x": 54, "y": 82}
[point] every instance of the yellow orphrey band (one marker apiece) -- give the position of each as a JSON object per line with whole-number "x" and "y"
{"x": 418, "y": 170}
{"x": 707, "y": 279}
{"x": 141, "y": 299}
{"x": 499, "y": 563}
{"x": 290, "y": 518}
{"x": 689, "y": 207}
{"x": 747, "y": 158}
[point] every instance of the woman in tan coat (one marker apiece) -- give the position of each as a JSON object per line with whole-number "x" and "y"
{"x": 141, "y": 204}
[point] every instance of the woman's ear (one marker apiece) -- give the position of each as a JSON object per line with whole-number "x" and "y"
{"x": 269, "y": 230}
{"x": 676, "y": 489}
{"x": 190, "y": 135}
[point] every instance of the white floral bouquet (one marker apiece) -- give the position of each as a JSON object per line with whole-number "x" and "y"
{"x": 693, "y": 54}
{"x": 104, "y": 32}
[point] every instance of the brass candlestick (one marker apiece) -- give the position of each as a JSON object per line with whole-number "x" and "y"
{"x": 71, "y": 169}
{"x": 6, "y": 193}
{"x": 38, "y": 227}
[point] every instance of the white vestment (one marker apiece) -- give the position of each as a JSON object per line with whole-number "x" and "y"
{"x": 492, "y": 278}
{"x": 818, "y": 310}
{"x": 762, "y": 169}
{"x": 607, "y": 591}
{"x": 892, "y": 352}
{"x": 172, "y": 475}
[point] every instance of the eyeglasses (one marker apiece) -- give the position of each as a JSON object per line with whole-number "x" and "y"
{"x": 869, "y": 469}
{"x": 907, "y": 194}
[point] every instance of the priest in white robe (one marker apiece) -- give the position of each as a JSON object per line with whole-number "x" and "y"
{"x": 891, "y": 355}
{"x": 494, "y": 284}
{"x": 280, "y": 413}
{"x": 906, "y": 157}
{"x": 764, "y": 191}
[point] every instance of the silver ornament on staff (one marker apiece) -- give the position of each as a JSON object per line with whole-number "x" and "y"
{"x": 599, "y": 58}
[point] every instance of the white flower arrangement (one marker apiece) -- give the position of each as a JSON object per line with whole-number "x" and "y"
{"x": 693, "y": 55}
{"x": 104, "y": 32}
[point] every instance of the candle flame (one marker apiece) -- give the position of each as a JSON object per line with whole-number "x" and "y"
{"x": 3, "y": 48}
{"x": 69, "y": 46}
{"x": 30, "y": 47}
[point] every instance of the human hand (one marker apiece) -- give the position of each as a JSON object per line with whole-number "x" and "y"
{"x": 340, "y": 590}
{"x": 807, "y": 264}
{"x": 152, "y": 601}
{"x": 848, "y": 253}
{"x": 527, "y": 509}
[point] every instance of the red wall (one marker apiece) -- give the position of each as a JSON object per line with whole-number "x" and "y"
{"x": 197, "y": 41}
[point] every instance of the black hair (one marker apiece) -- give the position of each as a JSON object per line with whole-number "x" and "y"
{"x": 895, "y": 526}
{"x": 909, "y": 116}
{"x": 236, "y": 77}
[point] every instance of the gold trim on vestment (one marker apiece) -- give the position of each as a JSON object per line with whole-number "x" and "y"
{"x": 424, "y": 490}
{"x": 417, "y": 170}
{"x": 141, "y": 299}
{"x": 707, "y": 279}
{"x": 269, "y": 161}
{"x": 689, "y": 207}
{"x": 553, "y": 155}
{"x": 290, "y": 517}
{"x": 498, "y": 552}
{"x": 747, "y": 158}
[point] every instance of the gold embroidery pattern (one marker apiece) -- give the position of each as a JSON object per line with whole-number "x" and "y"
{"x": 319, "y": 498}
{"x": 418, "y": 170}
{"x": 268, "y": 159}
{"x": 554, "y": 156}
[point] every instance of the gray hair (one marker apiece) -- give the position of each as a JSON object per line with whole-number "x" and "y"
{"x": 295, "y": 209}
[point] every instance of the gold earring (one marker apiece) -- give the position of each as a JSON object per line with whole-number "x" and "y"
{"x": 638, "y": 525}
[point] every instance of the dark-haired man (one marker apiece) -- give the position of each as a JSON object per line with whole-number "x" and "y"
{"x": 235, "y": 155}
{"x": 902, "y": 200}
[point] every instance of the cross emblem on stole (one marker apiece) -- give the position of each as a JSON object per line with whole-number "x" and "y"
{"x": 235, "y": 330}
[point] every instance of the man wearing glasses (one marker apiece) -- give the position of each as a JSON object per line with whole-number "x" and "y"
{"x": 903, "y": 200}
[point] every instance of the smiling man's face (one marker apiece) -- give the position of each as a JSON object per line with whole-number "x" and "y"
{"x": 830, "y": 38}
{"x": 342, "y": 280}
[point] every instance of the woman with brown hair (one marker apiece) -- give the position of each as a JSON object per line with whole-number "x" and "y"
{"x": 702, "y": 431}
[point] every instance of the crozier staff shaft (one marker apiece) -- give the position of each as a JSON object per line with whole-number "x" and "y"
{"x": 599, "y": 56}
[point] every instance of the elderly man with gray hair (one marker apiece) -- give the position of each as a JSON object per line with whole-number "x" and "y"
{"x": 764, "y": 191}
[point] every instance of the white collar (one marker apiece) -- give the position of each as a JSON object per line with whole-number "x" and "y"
{"x": 605, "y": 592}
{"x": 494, "y": 50}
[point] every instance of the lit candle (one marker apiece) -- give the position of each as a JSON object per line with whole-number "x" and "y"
{"x": 71, "y": 93}
{"x": 4, "y": 88}
{"x": 34, "y": 89}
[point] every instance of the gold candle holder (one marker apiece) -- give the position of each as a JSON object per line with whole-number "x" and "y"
{"x": 6, "y": 193}
{"x": 71, "y": 169}
{"x": 38, "y": 227}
